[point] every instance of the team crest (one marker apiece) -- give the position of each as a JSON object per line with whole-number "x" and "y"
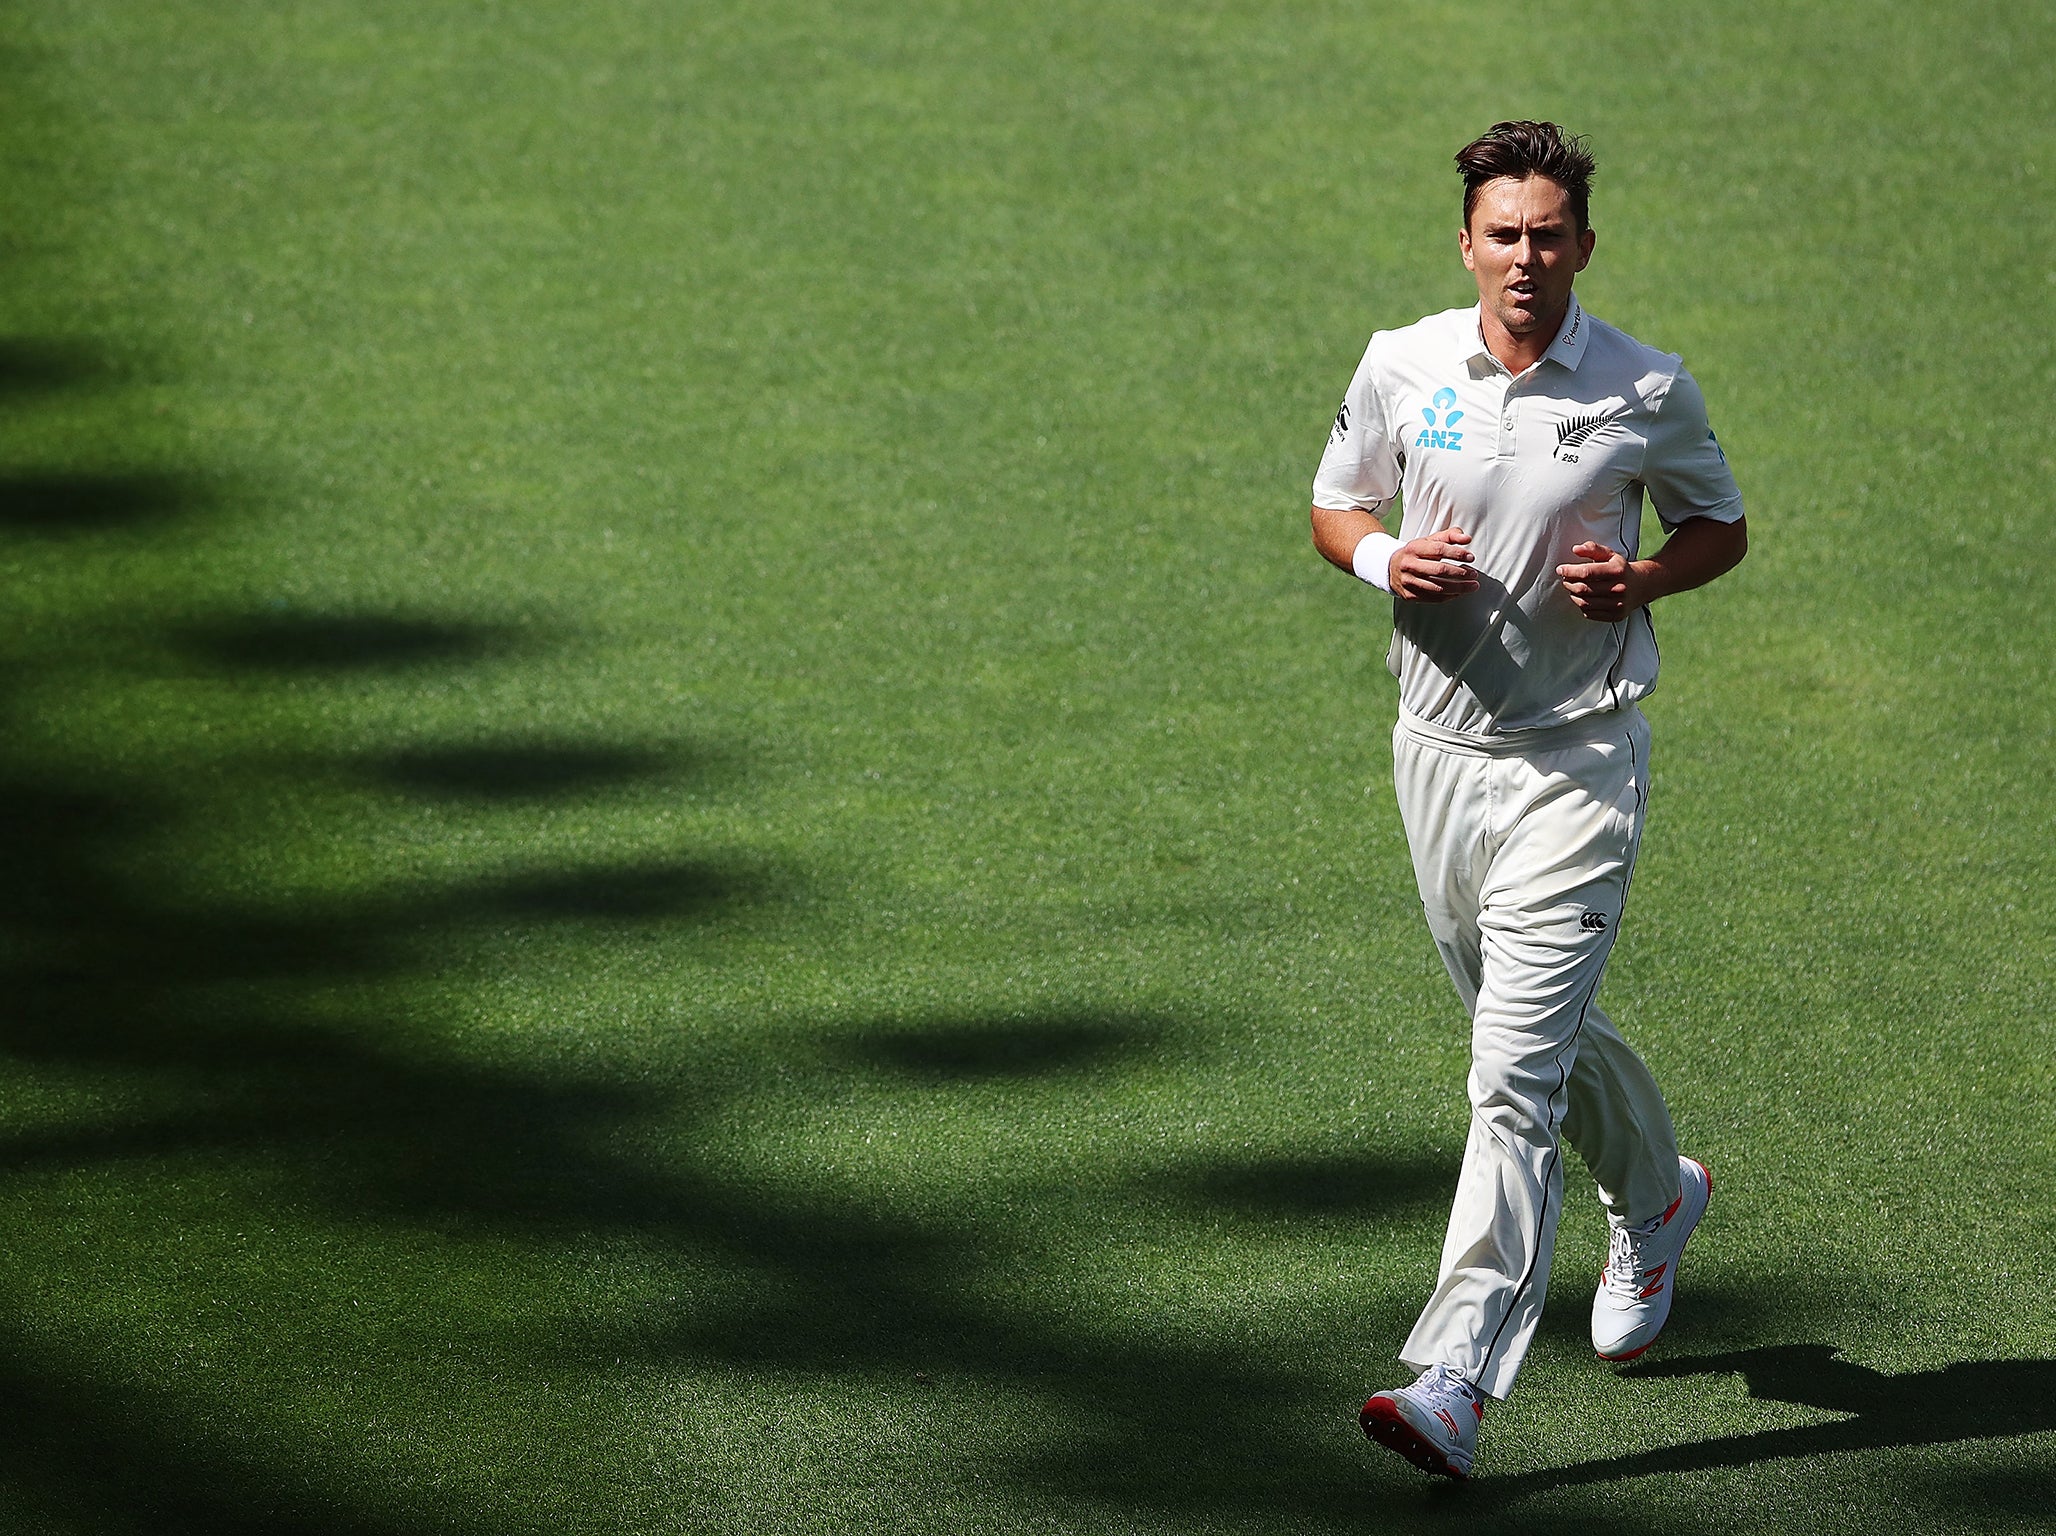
{"x": 1573, "y": 432}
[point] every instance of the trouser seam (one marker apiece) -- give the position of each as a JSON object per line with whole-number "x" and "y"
{"x": 1564, "y": 1057}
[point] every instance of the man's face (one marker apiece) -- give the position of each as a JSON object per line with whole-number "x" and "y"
{"x": 1525, "y": 246}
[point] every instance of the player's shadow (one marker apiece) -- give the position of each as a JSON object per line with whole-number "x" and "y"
{"x": 1971, "y": 1400}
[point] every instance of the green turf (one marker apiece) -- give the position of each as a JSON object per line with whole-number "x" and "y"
{"x": 692, "y": 845}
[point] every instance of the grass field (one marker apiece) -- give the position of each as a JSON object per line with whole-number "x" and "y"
{"x": 692, "y": 845}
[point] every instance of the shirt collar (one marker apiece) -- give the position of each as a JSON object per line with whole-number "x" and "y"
{"x": 1568, "y": 348}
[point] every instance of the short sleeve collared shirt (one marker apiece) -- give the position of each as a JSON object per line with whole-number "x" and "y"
{"x": 1530, "y": 467}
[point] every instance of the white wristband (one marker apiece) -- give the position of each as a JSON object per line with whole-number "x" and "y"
{"x": 1372, "y": 561}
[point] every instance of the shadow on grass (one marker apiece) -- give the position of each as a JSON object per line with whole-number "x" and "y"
{"x": 117, "y": 1460}
{"x": 216, "y": 1020}
{"x": 199, "y": 1011}
{"x": 32, "y": 365}
{"x": 321, "y": 643}
{"x": 956, "y": 1053}
{"x": 1339, "y": 1185}
{"x": 59, "y": 505}
{"x": 216, "y": 1029}
{"x": 1970, "y": 1400}
{"x": 2009, "y": 1498}
{"x": 219, "y": 1018}
{"x": 227, "y": 1034}
{"x": 208, "y": 1033}
{"x": 517, "y": 770}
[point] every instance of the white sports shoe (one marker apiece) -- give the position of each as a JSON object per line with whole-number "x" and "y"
{"x": 1433, "y": 1423}
{"x": 1633, "y": 1301}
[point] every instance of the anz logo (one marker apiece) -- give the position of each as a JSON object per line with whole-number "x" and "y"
{"x": 1442, "y": 436}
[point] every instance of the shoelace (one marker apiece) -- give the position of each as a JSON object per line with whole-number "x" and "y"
{"x": 1450, "y": 1381}
{"x": 1624, "y": 1258}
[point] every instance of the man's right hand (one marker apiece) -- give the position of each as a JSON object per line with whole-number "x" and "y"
{"x": 1434, "y": 569}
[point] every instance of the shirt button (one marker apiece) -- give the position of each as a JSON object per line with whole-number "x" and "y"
{"x": 1509, "y": 423}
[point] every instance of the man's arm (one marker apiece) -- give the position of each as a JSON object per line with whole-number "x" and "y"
{"x": 1607, "y": 586}
{"x": 1430, "y": 570}
{"x": 1360, "y": 468}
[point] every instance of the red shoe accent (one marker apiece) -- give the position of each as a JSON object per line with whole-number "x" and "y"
{"x": 1382, "y": 1422}
{"x": 1670, "y": 1211}
{"x": 1650, "y": 1292}
{"x": 1633, "y": 1354}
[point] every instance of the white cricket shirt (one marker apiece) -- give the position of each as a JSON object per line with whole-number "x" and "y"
{"x": 1530, "y": 467}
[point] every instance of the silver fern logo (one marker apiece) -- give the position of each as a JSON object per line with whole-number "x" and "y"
{"x": 1573, "y": 432}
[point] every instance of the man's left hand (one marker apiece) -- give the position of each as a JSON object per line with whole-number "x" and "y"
{"x": 1605, "y": 585}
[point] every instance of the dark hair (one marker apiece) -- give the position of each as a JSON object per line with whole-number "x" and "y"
{"x": 1525, "y": 149}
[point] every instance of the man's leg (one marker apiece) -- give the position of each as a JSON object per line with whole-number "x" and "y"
{"x": 1619, "y": 1124}
{"x": 1550, "y": 903}
{"x": 1445, "y": 800}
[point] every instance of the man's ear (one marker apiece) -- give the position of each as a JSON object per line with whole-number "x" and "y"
{"x": 1463, "y": 243}
{"x": 1586, "y": 241}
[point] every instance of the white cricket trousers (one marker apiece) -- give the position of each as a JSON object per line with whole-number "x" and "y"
{"x": 1523, "y": 856}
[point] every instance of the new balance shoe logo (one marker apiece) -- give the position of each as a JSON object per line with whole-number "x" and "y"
{"x": 1449, "y": 1423}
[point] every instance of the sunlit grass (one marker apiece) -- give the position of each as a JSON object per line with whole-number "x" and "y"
{"x": 693, "y": 846}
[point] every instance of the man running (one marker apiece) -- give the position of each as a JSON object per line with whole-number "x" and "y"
{"x": 1519, "y": 438}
